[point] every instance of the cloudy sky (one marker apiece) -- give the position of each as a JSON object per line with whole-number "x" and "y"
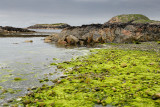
{"x": 23, "y": 13}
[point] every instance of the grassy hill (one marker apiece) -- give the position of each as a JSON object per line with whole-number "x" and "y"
{"x": 134, "y": 18}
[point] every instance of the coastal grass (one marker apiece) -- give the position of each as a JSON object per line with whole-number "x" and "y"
{"x": 135, "y": 18}
{"x": 105, "y": 77}
{"x": 132, "y": 17}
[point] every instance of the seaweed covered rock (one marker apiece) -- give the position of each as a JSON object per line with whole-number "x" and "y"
{"x": 106, "y": 76}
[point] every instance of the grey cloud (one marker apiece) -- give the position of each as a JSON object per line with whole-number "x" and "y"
{"x": 74, "y": 12}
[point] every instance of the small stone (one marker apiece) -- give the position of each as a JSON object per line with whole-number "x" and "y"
{"x": 97, "y": 88}
{"x": 98, "y": 101}
{"x": 151, "y": 64}
{"x": 46, "y": 79}
{"x": 27, "y": 41}
{"x": 47, "y": 41}
{"x": 19, "y": 99}
{"x": 52, "y": 104}
{"x": 50, "y": 73}
{"x": 34, "y": 88}
{"x": 113, "y": 88}
{"x": 29, "y": 89}
{"x": 26, "y": 102}
{"x": 156, "y": 96}
{"x": 59, "y": 81}
{"x": 9, "y": 101}
{"x": 123, "y": 65}
{"x": 63, "y": 76}
{"x": 134, "y": 64}
{"x": 17, "y": 78}
{"x": 42, "y": 105}
{"x": 41, "y": 81}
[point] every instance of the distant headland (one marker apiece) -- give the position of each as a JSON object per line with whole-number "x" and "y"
{"x": 49, "y": 26}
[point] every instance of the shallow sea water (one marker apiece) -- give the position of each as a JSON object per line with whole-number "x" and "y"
{"x": 29, "y": 61}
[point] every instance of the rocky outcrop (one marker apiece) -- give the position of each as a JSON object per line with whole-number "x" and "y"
{"x": 20, "y": 32}
{"x": 13, "y": 29}
{"x": 109, "y": 32}
{"x": 49, "y": 26}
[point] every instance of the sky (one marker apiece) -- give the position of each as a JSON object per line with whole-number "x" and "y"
{"x": 23, "y": 13}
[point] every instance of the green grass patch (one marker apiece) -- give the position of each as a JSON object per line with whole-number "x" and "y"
{"x": 131, "y": 17}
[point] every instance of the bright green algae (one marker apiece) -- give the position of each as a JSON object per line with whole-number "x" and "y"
{"x": 108, "y": 77}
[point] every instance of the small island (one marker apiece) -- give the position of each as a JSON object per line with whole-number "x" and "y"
{"x": 8, "y": 31}
{"x": 49, "y": 26}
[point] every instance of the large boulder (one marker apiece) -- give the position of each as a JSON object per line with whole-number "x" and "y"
{"x": 53, "y": 37}
{"x": 72, "y": 40}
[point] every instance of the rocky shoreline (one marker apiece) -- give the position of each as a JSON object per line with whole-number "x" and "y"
{"x": 120, "y": 74}
{"x": 117, "y": 75}
{"x": 109, "y": 32}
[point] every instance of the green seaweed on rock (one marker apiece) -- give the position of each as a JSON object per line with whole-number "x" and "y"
{"x": 17, "y": 79}
{"x": 107, "y": 77}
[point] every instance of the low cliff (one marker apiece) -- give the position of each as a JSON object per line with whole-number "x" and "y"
{"x": 49, "y": 26}
{"x": 111, "y": 32}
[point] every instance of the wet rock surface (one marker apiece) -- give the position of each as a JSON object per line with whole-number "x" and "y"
{"x": 106, "y": 77}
